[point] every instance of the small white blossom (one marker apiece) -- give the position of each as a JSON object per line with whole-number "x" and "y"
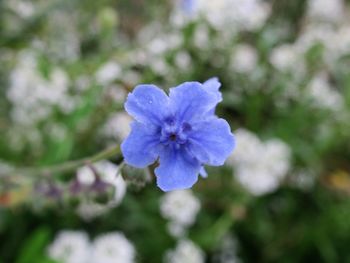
{"x": 287, "y": 58}
{"x": 5, "y": 167}
{"x": 113, "y": 248}
{"x": 117, "y": 126}
{"x": 117, "y": 93}
{"x": 108, "y": 73}
{"x": 324, "y": 94}
{"x": 180, "y": 206}
{"x": 109, "y": 172}
{"x": 88, "y": 210}
{"x": 85, "y": 176}
{"x": 238, "y": 15}
{"x": 259, "y": 166}
{"x": 201, "y": 37}
{"x": 185, "y": 252}
{"x": 159, "y": 66}
{"x": 34, "y": 96}
{"x": 63, "y": 36}
{"x": 227, "y": 251}
{"x": 339, "y": 45}
{"x": 245, "y": 59}
{"x": 24, "y": 9}
{"x": 315, "y": 34}
{"x": 326, "y": 10}
{"x": 132, "y": 77}
{"x": 70, "y": 247}
{"x": 183, "y": 60}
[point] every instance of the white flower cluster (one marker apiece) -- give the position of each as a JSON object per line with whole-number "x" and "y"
{"x": 117, "y": 126}
{"x": 244, "y": 59}
{"x": 181, "y": 208}
{"x": 259, "y": 166}
{"x": 152, "y": 54}
{"x": 62, "y": 28}
{"x": 34, "y": 96}
{"x": 239, "y": 14}
{"x": 75, "y": 247}
{"x": 109, "y": 173}
{"x": 111, "y": 248}
{"x": 323, "y": 94}
{"x": 185, "y": 252}
{"x": 227, "y": 251}
{"x": 326, "y": 10}
{"x": 288, "y": 59}
{"x": 108, "y": 72}
{"x": 327, "y": 26}
{"x": 24, "y": 9}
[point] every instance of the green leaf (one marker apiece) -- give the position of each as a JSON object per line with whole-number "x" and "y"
{"x": 34, "y": 246}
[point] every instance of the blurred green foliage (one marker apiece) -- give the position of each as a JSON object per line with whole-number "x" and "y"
{"x": 291, "y": 224}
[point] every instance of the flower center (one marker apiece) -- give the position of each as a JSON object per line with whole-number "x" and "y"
{"x": 174, "y": 133}
{"x": 172, "y": 137}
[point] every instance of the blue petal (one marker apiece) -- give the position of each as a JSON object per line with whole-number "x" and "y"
{"x": 188, "y": 6}
{"x": 177, "y": 170}
{"x": 203, "y": 172}
{"x": 212, "y": 86}
{"x": 191, "y": 101}
{"x": 141, "y": 147}
{"x": 211, "y": 141}
{"x": 147, "y": 104}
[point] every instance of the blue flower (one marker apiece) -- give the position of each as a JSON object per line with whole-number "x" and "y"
{"x": 188, "y": 6}
{"x": 181, "y": 130}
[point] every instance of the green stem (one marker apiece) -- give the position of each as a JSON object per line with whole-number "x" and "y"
{"x": 64, "y": 167}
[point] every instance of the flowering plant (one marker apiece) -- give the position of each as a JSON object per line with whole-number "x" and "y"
{"x": 181, "y": 130}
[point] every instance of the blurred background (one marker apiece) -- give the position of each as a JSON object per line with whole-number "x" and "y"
{"x": 66, "y": 67}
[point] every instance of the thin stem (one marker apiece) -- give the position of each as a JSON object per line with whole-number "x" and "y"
{"x": 63, "y": 167}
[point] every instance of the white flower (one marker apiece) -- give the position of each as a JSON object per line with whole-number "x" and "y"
{"x": 227, "y": 251}
{"x": 248, "y": 147}
{"x": 117, "y": 93}
{"x": 180, "y": 206}
{"x": 237, "y": 14}
{"x": 185, "y": 252}
{"x": 108, "y": 73}
{"x": 85, "y": 176}
{"x": 201, "y": 37}
{"x": 339, "y": 45}
{"x": 132, "y": 77}
{"x": 109, "y": 172}
{"x": 5, "y": 167}
{"x": 287, "y": 58}
{"x": 259, "y": 166}
{"x": 182, "y": 60}
{"x": 63, "y": 36}
{"x": 326, "y": 10}
{"x": 70, "y": 247}
{"x": 324, "y": 94}
{"x": 88, "y": 210}
{"x": 113, "y": 248}
{"x": 176, "y": 229}
{"x": 32, "y": 95}
{"x": 245, "y": 59}
{"x": 315, "y": 34}
{"x": 117, "y": 126}
{"x": 24, "y": 9}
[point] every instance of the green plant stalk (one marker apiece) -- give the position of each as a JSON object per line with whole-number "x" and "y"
{"x": 63, "y": 167}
